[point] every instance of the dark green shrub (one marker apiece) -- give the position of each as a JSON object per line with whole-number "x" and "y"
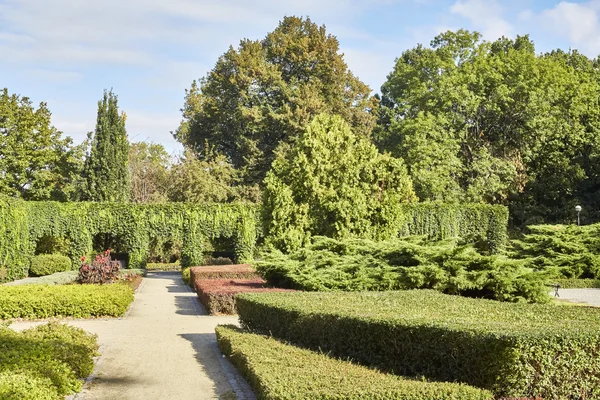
{"x": 78, "y": 301}
{"x": 408, "y": 263}
{"x": 280, "y": 371}
{"x": 45, "y": 361}
{"x": 517, "y": 350}
{"x": 48, "y": 264}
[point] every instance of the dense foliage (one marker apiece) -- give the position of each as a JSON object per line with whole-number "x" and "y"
{"x": 495, "y": 122}
{"x": 102, "y": 269}
{"x": 78, "y": 301}
{"x": 517, "y": 350}
{"x": 265, "y": 92}
{"x": 412, "y": 263}
{"x": 129, "y": 229}
{"x": 46, "y": 362}
{"x": 333, "y": 183}
{"x": 281, "y": 371}
{"x": 106, "y": 173}
{"x": 36, "y": 163}
{"x": 149, "y": 165}
{"x": 48, "y": 264}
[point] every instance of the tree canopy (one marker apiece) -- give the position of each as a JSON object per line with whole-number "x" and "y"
{"x": 334, "y": 183}
{"x": 495, "y": 122}
{"x": 265, "y": 92}
{"x": 36, "y": 162}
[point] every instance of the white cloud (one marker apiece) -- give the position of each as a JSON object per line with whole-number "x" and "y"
{"x": 484, "y": 15}
{"x": 579, "y": 22}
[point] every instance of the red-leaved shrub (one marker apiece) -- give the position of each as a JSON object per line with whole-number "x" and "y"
{"x": 218, "y": 295}
{"x": 102, "y": 269}
{"x": 236, "y": 271}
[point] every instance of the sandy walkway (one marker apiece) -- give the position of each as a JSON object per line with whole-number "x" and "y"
{"x": 164, "y": 348}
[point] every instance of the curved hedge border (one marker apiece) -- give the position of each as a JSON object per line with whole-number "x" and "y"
{"x": 517, "y": 350}
{"x": 22, "y": 224}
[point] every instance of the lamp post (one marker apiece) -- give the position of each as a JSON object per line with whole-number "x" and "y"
{"x": 578, "y": 209}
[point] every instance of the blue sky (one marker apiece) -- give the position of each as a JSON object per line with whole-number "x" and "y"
{"x": 65, "y": 52}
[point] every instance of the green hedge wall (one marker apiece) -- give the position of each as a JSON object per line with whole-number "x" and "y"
{"x": 280, "y": 371}
{"x": 515, "y": 350}
{"x": 23, "y": 224}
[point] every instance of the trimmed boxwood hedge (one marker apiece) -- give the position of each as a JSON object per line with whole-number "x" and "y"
{"x": 280, "y": 371}
{"x": 518, "y": 350}
{"x": 79, "y": 301}
{"x": 48, "y": 264}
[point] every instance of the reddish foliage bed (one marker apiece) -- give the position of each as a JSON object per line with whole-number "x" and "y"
{"x": 236, "y": 271}
{"x": 218, "y": 295}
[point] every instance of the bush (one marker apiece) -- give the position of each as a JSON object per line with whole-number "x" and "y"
{"x": 577, "y": 283}
{"x": 218, "y": 295}
{"x": 78, "y": 301}
{"x": 185, "y": 275}
{"x": 163, "y": 267}
{"x": 280, "y": 371}
{"x": 238, "y": 271}
{"x": 46, "y": 362}
{"x": 48, "y": 264}
{"x": 102, "y": 269}
{"x": 409, "y": 263}
{"x": 515, "y": 350}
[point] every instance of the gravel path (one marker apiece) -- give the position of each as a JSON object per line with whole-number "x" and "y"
{"x": 587, "y": 296}
{"x": 164, "y": 348}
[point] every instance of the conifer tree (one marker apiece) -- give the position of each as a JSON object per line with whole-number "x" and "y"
{"x": 106, "y": 172}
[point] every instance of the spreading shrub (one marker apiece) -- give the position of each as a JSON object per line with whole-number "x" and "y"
{"x": 48, "y": 264}
{"x": 218, "y": 295}
{"x": 409, "y": 263}
{"x": 78, "y": 301}
{"x": 45, "y": 362}
{"x": 517, "y": 350}
{"x": 280, "y": 371}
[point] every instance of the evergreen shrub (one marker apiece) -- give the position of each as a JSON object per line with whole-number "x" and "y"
{"x": 48, "y": 264}
{"x": 408, "y": 263}
{"x": 517, "y": 350}
{"x": 78, "y": 301}
{"x": 45, "y": 362}
{"x": 276, "y": 370}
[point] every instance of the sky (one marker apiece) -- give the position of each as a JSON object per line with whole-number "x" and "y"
{"x": 66, "y": 52}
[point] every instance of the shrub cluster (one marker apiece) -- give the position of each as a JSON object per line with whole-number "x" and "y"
{"x": 517, "y": 350}
{"x": 281, "y": 371}
{"x": 101, "y": 270}
{"x": 79, "y": 301}
{"x": 48, "y": 264}
{"x": 408, "y": 263}
{"x": 217, "y": 286}
{"x": 46, "y": 362}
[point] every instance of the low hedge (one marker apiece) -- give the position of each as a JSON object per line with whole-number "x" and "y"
{"x": 45, "y": 362}
{"x": 78, "y": 301}
{"x": 280, "y": 371}
{"x": 218, "y": 295}
{"x": 163, "y": 267}
{"x": 517, "y": 350}
{"x": 236, "y": 271}
{"x": 577, "y": 283}
{"x": 48, "y": 264}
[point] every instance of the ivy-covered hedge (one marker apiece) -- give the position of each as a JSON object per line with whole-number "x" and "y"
{"x": 135, "y": 228}
{"x": 517, "y": 350}
{"x": 78, "y": 301}
{"x": 280, "y": 371}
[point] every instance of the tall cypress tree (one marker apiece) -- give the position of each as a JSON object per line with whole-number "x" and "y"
{"x": 106, "y": 173}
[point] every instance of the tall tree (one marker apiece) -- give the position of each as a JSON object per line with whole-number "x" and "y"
{"x": 106, "y": 172}
{"x": 494, "y": 122}
{"x": 149, "y": 165}
{"x": 334, "y": 183}
{"x": 36, "y": 162}
{"x": 265, "y": 93}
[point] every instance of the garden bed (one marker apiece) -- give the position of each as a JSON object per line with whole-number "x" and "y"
{"x": 516, "y": 350}
{"x": 235, "y": 271}
{"x": 280, "y": 371}
{"x": 46, "y": 362}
